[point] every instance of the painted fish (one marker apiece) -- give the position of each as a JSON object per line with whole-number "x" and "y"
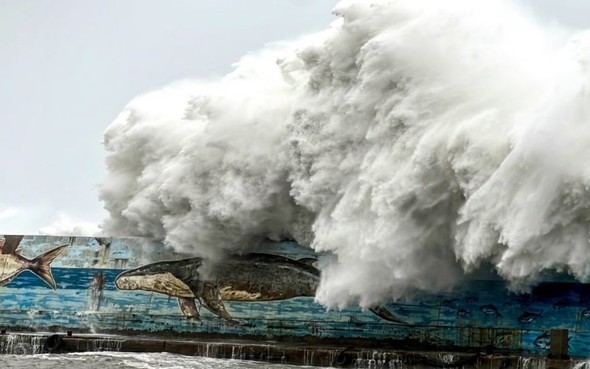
{"x": 462, "y": 313}
{"x": 12, "y": 263}
{"x": 586, "y": 313}
{"x": 251, "y": 277}
{"x": 528, "y": 317}
{"x": 503, "y": 339}
{"x": 490, "y": 310}
{"x": 543, "y": 341}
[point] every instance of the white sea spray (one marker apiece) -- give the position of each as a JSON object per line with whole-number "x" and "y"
{"x": 414, "y": 140}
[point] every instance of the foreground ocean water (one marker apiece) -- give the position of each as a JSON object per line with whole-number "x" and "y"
{"x": 121, "y": 360}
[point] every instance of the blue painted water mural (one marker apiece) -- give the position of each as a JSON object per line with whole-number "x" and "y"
{"x": 477, "y": 314}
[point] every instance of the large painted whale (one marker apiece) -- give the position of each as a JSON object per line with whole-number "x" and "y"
{"x": 250, "y": 277}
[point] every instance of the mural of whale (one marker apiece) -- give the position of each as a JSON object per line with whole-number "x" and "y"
{"x": 250, "y": 277}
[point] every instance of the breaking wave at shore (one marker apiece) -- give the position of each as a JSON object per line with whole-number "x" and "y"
{"x": 414, "y": 140}
{"x": 95, "y": 360}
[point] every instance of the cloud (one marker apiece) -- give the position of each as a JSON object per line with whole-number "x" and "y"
{"x": 8, "y": 212}
{"x": 66, "y": 225}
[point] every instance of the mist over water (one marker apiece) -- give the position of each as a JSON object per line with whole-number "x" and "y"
{"x": 97, "y": 360}
{"x": 414, "y": 140}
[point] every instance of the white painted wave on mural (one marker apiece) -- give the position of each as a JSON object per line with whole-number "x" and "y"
{"x": 414, "y": 140}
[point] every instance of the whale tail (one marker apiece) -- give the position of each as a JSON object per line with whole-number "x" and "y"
{"x": 383, "y": 313}
{"x": 41, "y": 265}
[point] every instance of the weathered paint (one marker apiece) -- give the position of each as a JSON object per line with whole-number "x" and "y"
{"x": 478, "y": 315}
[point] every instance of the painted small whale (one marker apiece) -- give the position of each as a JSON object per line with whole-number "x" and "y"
{"x": 12, "y": 263}
{"x": 251, "y": 277}
{"x": 528, "y": 317}
{"x": 490, "y": 310}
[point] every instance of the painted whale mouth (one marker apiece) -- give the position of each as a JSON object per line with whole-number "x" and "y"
{"x": 164, "y": 283}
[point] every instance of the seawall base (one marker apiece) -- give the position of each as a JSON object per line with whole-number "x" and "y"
{"x": 272, "y": 352}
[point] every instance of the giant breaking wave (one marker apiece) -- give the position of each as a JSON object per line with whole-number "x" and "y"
{"x": 414, "y": 140}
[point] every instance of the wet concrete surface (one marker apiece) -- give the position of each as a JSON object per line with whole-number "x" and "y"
{"x": 274, "y": 352}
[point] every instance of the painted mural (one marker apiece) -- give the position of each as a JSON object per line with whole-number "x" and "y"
{"x": 12, "y": 263}
{"x": 250, "y": 277}
{"x": 134, "y": 285}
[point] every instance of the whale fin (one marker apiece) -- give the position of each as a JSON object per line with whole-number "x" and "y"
{"x": 308, "y": 261}
{"x": 189, "y": 308}
{"x": 383, "y": 313}
{"x": 211, "y": 300}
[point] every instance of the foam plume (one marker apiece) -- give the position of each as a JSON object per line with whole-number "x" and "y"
{"x": 413, "y": 140}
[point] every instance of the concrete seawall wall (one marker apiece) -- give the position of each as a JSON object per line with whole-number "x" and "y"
{"x": 137, "y": 286}
{"x": 272, "y": 352}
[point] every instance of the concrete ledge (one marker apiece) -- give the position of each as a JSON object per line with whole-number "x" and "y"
{"x": 325, "y": 356}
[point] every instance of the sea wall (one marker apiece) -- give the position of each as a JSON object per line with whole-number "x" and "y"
{"x": 272, "y": 352}
{"x": 137, "y": 286}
